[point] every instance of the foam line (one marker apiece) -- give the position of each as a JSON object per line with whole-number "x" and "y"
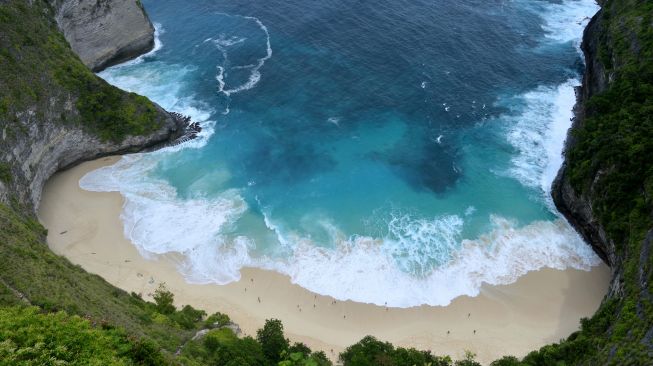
{"x": 255, "y": 74}
{"x": 158, "y": 45}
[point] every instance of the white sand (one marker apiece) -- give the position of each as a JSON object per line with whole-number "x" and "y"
{"x": 540, "y": 308}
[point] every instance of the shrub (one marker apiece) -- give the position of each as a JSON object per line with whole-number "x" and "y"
{"x": 164, "y": 300}
{"x": 218, "y": 319}
{"x": 32, "y": 338}
{"x": 370, "y": 351}
{"x": 272, "y": 340}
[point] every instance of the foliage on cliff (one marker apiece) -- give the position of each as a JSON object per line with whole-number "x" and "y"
{"x": 611, "y": 163}
{"x": 44, "y": 297}
{"x": 42, "y": 78}
{"x": 53, "y": 284}
{"x": 29, "y": 337}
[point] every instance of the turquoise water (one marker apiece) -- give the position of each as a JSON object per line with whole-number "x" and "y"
{"x": 395, "y": 152}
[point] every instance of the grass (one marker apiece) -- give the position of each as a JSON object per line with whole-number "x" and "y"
{"x": 54, "y": 284}
{"x": 610, "y": 163}
{"x": 30, "y": 337}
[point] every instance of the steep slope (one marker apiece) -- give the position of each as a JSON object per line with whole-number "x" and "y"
{"x": 54, "y": 111}
{"x": 605, "y": 187}
{"x": 104, "y": 33}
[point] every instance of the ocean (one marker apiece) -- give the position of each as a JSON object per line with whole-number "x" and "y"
{"x": 389, "y": 152}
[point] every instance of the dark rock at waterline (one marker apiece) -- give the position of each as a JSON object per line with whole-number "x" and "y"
{"x": 40, "y": 141}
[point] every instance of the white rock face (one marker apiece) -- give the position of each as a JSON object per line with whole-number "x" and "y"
{"x": 105, "y": 32}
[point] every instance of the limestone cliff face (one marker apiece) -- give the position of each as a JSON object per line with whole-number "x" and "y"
{"x": 45, "y": 146}
{"x": 105, "y": 32}
{"x": 43, "y": 135}
{"x": 575, "y": 207}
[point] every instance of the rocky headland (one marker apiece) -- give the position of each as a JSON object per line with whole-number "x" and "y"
{"x": 55, "y": 113}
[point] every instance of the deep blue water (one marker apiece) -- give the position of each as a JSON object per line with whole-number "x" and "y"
{"x": 358, "y": 147}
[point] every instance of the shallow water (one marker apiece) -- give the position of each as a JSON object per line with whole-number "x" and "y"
{"x": 387, "y": 151}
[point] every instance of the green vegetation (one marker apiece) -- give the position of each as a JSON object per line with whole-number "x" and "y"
{"x": 39, "y": 71}
{"x": 370, "y": 351}
{"x": 54, "y": 284}
{"x": 611, "y": 162}
{"x": 5, "y": 173}
{"x": 53, "y": 312}
{"x": 28, "y": 337}
{"x": 128, "y": 328}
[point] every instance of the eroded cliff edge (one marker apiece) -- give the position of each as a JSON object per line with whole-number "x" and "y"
{"x": 54, "y": 112}
{"x": 605, "y": 186}
{"x": 104, "y": 33}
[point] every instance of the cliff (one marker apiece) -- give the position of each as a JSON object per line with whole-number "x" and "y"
{"x": 605, "y": 187}
{"x": 104, "y": 33}
{"x": 576, "y": 206}
{"x": 53, "y": 111}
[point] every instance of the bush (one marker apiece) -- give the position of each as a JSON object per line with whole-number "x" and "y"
{"x": 301, "y": 355}
{"x": 218, "y": 319}
{"x": 272, "y": 340}
{"x": 164, "y": 300}
{"x": 468, "y": 360}
{"x": 506, "y": 361}
{"x": 37, "y": 65}
{"x": 188, "y": 317}
{"x": 370, "y": 351}
{"x": 222, "y": 347}
{"x": 32, "y": 338}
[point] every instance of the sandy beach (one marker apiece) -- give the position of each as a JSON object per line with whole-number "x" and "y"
{"x": 540, "y": 308}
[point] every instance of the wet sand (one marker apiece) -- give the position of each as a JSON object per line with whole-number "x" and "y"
{"x": 541, "y": 307}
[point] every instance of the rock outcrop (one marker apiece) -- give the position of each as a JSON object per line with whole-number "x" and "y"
{"x": 575, "y": 207}
{"x": 104, "y": 32}
{"x": 605, "y": 188}
{"x": 41, "y": 136}
{"x": 47, "y": 146}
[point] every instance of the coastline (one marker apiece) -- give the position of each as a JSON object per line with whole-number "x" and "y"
{"x": 540, "y": 308}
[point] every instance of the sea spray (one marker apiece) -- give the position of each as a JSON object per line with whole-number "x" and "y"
{"x": 276, "y": 181}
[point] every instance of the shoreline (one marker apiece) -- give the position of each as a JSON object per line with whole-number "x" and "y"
{"x": 541, "y": 307}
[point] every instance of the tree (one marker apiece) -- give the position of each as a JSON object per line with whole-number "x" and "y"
{"x": 468, "y": 360}
{"x": 370, "y": 351}
{"x": 506, "y": 361}
{"x": 164, "y": 300}
{"x": 272, "y": 340}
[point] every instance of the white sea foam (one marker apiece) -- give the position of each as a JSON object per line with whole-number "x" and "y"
{"x": 255, "y": 75}
{"x": 220, "y": 78}
{"x": 158, "y": 31}
{"x": 418, "y": 261}
{"x": 224, "y": 41}
{"x": 165, "y": 85}
{"x": 565, "y": 21}
{"x": 373, "y": 270}
{"x": 334, "y": 120}
{"x": 365, "y": 269}
{"x": 538, "y": 134}
{"x": 189, "y": 226}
